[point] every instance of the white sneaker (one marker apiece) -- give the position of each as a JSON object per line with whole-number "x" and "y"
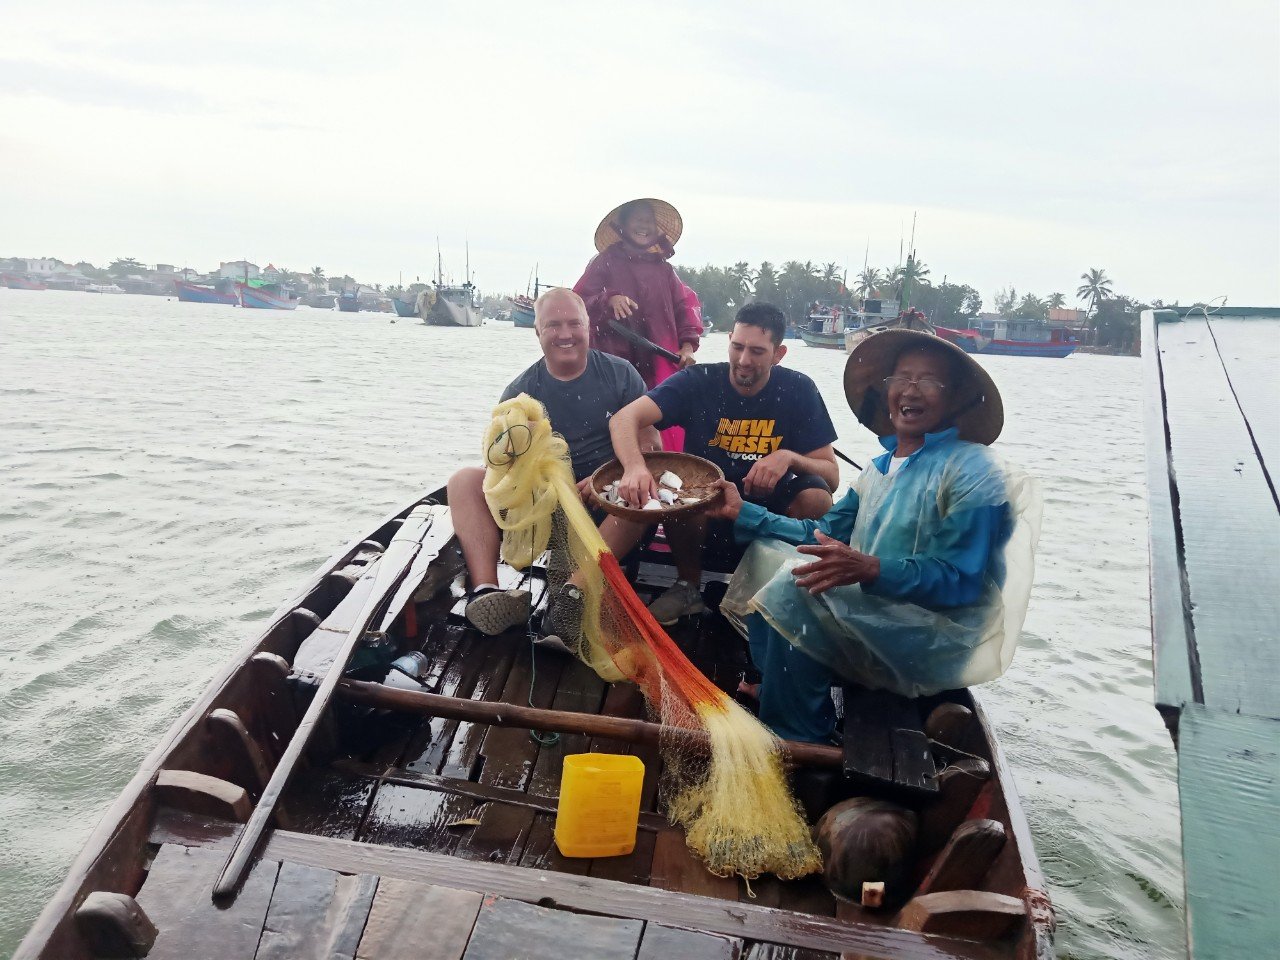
{"x": 678, "y": 600}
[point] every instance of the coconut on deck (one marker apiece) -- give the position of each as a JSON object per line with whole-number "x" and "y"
{"x": 1213, "y": 461}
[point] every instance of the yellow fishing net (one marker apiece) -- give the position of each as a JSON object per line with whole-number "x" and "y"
{"x": 732, "y": 799}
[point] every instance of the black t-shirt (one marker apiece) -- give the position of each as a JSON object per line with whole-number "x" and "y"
{"x": 580, "y": 409}
{"x": 734, "y": 431}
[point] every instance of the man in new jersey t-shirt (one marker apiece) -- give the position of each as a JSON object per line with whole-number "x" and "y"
{"x": 765, "y": 426}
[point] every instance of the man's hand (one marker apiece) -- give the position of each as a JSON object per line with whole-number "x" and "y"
{"x": 766, "y": 472}
{"x": 837, "y": 565}
{"x": 686, "y": 355}
{"x": 622, "y": 306}
{"x": 586, "y": 493}
{"x": 730, "y": 505}
{"x": 638, "y": 486}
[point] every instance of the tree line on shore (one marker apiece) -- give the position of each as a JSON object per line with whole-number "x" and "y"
{"x": 1111, "y": 319}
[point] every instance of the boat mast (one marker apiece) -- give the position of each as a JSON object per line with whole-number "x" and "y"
{"x": 439, "y": 265}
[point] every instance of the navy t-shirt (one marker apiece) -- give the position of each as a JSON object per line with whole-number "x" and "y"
{"x": 733, "y": 431}
{"x": 580, "y": 409}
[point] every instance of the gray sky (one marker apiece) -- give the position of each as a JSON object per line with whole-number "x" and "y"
{"x": 1143, "y": 138}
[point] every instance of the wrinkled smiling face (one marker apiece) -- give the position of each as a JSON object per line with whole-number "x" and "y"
{"x": 922, "y": 406}
{"x": 562, "y": 331}
{"x": 640, "y": 229}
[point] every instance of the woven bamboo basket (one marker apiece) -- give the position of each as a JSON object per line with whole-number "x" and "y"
{"x": 699, "y": 476}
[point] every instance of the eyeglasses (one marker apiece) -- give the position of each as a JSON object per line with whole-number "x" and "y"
{"x": 924, "y": 384}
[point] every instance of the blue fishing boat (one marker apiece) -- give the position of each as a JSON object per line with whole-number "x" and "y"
{"x": 222, "y": 292}
{"x": 404, "y": 308}
{"x": 268, "y": 297}
{"x": 1013, "y": 338}
{"x": 522, "y": 311}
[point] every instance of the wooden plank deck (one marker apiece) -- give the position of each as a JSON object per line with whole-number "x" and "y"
{"x": 1213, "y": 459}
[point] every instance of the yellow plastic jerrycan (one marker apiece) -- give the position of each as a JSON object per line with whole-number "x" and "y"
{"x": 599, "y": 804}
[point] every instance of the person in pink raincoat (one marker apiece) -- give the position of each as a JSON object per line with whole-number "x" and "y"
{"x": 630, "y": 281}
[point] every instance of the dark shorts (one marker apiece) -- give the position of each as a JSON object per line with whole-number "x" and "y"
{"x": 722, "y": 551}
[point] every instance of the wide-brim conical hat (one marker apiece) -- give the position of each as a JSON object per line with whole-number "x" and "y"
{"x": 668, "y": 218}
{"x": 981, "y": 411}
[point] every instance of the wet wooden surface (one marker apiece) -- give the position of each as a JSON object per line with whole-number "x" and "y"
{"x": 1213, "y": 459}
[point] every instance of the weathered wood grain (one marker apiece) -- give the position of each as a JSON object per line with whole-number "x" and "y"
{"x": 178, "y": 898}
{"x": 418, "y": 921}
{"x": 508, "y": 929}
{"x": 668, "y": 943}
{"x": 675, "y": 868}
{"x": 315, "y": 913}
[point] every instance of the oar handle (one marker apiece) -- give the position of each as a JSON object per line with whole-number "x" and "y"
{"x": 641, "y": 341}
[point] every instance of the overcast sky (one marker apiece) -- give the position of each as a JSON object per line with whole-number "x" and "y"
{"x": 1142, "y": 138}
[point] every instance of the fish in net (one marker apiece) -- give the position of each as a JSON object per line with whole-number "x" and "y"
{"x": 728, "y": 786}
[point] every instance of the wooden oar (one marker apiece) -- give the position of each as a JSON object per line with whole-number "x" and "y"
{"x": 558, "y": 721}
{"x": 393, "y": 565}
{"x": 643, "y": 343}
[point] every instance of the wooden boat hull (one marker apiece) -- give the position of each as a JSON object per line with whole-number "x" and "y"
{"x": 195, "y": 293}
{"x": 522, "y": 316}
{"x": 259, "y": 299}
{"x": 828, "y": 341}
{"x": 16, "y": 281}
{"x": 404, "y": 308}
{"x": 461, "y": 807}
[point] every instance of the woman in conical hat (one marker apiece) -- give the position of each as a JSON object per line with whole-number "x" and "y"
{"x": 917, "y": 581}
{"x": 630, "y": 281}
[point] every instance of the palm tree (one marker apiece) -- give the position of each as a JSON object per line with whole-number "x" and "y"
{"x": 741, "y": 275}
{"x": 1056, "y": 301}
{"x": 868, "y": 280}
{"x": 830, "y": 273}
{"x": 1096, "y": 287}
{"x": 317, "y": 275}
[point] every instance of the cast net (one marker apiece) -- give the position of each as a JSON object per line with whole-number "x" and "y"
{"x": 723, "y": 768}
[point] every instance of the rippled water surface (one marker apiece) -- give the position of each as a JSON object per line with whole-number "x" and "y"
{"x": 172, "y": 471}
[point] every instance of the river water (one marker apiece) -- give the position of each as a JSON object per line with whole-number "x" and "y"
{"x": 172, "y": 471}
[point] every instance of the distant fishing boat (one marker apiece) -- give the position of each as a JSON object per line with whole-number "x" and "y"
{"x": 349, "y": 301}
{"x": 522, "y": 311}
{"x": 404, "y": 308}
{"x": 1012, "y": 338}
{"x": 104, "y": 288}
{"x": 454, "y": 306}
{"x": 830, "y": 327}
{"x": 222, "y": 292}
{"x": 873, "y": 323}
{"x": 269, "y": 297}
{"x": 18, "y": 281}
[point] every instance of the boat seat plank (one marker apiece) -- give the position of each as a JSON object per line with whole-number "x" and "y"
{"x": 418, "y": 921}
{"x": 177, "y": 896}
{"x": 316, "y": 913}
{"x": 510, "y": 928}
{"x": 1251, "y": 356}
{"x": 1228, "y": 519}
{"x": 661, "y": 942}
{"x": 589, "y": 894}
{"x": 885, "y": 749}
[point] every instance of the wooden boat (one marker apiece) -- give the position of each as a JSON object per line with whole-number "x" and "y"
{"x": 270, "y": 296}
{"x": 349, "y": 301}
{"x": 522, "y": 311}
{"x": 222, "y": 292}
{"x": 420, "y": 822}
{"x": 452, "y": 305}
{"x": 20, "y": 281}
{"x": 906, "y": 320}
{"x": 1036, "y": 340}
{"x": 404, "y": 308}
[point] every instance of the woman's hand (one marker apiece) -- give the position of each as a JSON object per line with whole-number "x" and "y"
{"x": 730, "y": 504}
{"x": 686, "y": 355}
{"x": 837, "y": 565}
{"x": 638, "y": 486}
{"x": 622, "y": 306}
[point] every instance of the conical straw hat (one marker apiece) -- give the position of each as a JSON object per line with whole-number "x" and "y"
{"x": 668, "y": 218}
{"x": 981, "y": 411}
